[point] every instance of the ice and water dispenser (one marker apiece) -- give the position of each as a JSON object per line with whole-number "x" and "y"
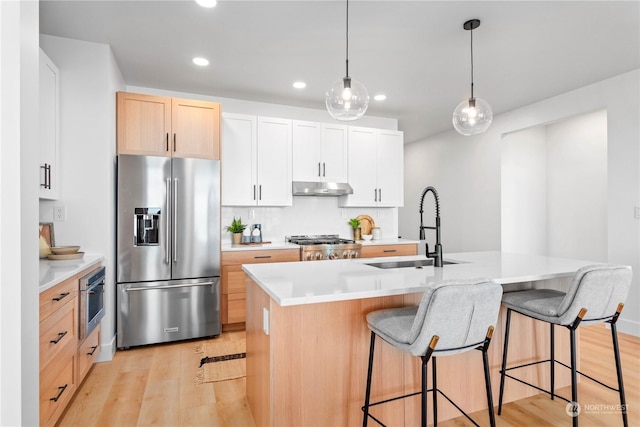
{"x": 146, "y": 230}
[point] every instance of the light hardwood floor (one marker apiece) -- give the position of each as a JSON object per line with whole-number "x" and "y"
{"x": 154, "y": 386}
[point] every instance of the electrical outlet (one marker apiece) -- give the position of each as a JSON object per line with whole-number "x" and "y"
{"x": 252, "y": 213}
{"x": 265, "y": 320}
{"x": 380, "y": 213}
{"x": 59, "y": 213}
{"x": 343, "y": 213}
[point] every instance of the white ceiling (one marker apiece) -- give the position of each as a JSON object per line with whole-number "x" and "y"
{"x": 415, "y": 52}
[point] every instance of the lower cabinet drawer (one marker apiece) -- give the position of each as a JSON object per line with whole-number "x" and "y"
{"x": 237, "y": 308}
{"x": 87, "y": 353}
{"x": 56, "y": 389}
{"x": 57, "y": 331}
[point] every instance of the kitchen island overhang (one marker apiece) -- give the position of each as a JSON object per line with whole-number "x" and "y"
{"x": 307, "y": 337}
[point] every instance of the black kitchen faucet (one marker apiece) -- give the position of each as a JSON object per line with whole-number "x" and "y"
{"x": 437, "y": 254}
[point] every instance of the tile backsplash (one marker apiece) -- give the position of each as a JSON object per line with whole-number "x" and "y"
{"x": 308, "y": 215}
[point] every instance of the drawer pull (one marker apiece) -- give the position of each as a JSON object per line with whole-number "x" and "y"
{"x": 60, "y": 336}
{"x": 60, "y": 391}
{"x": 93, "y": 350}
{"x": 65, "y": 294}
{"x": 262, "y": 257}
{"x": 389, "y": 250}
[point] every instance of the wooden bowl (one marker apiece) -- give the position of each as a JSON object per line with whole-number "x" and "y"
{"x": 64, "y": 250}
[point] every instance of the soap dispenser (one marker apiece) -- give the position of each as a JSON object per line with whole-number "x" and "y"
{"x": 256, "y": 233}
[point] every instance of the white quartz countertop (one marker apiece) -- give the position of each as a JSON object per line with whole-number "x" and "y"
{"x": 296, "y": 283}
{"x": 54, "y": 272}
{"x": 228, "y": 247}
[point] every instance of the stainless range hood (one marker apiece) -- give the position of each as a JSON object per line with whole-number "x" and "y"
{"x": 305, "y": 188}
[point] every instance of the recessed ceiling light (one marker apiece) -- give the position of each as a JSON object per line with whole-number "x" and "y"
{"x": 380, "y": 97}
{"x": 299, "y": 85}
{"x": 207, "y": 3}
{"x": 201, "y": 61}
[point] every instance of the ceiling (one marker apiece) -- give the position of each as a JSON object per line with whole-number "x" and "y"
{"x": 415, "y": 52}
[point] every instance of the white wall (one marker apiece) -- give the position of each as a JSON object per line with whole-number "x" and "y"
{"x": 19, "y": 175}
{"x": 524, "y": 192}
{"x": 467, "y": 173}
{"x": 554, "y": 189}
{"x": 89, "y": 78}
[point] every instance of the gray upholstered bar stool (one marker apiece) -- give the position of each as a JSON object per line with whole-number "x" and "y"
{"x": 452, "y": 318}
{"x": 596, "y": 294}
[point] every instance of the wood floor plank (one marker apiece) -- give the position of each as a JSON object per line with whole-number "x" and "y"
{"x": 155, "y": 386}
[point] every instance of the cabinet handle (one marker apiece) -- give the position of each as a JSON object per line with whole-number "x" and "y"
{"x": 60, "y": 391}
{"x": 167, "y": 142}
{"x": 62, "y": 295}
{"x": 260, "y": 192}
{"x": 93, "y": 350}
{"x": 47, "y": 176}
{"x": 262, "y": 257}
{"x": 167, "y": 259}
{"x": 324, "y": 169}
{"x": 379, "y": 194}
{"x": 60, "y": 336}
{"x": 318, "y": 168}
{"x": 389, "y": 250}
{"x": 174, "y": 142}
{"x": 254, "y": 192}
{"x": 375, "y": 194}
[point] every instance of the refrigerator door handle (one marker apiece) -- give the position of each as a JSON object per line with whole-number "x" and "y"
{"x": 167, "y": 231}
{"x": 151, "y": 288}
{"x": 175, "y": 220}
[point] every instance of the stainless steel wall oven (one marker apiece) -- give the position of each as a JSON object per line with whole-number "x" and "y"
{"x": 91, "y": 301}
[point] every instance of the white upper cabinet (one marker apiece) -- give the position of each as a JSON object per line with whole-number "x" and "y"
{"x": 256, "y": 161}
{"x": 49, "y": 145}
{"x": 319, "y": 152}
{"x": 376, "y": 168}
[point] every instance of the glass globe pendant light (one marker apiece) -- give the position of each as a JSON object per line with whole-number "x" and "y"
{"x": 347, "y": 99}
{"x": 472, "y": 116}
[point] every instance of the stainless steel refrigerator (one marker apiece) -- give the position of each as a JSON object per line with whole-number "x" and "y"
{"x": 168, "y": 249}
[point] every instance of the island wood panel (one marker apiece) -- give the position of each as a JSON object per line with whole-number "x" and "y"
{"x": 388, "y": 250}
{"x": 317, "y": 354}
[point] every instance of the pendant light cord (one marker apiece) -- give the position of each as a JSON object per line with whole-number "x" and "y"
{"x": 347, "y": 44}
{"x": 471, "y": 62}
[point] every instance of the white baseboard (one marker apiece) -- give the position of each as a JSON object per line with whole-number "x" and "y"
{"x": 107, "y": 351}
{"x": 628, "y": 327}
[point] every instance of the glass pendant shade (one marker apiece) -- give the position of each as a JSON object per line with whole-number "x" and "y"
{"x": 347, "y": 99}
{"x": 472, "y": 116}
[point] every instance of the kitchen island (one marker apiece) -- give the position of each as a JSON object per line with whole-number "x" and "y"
{"x": 308, "y": 340}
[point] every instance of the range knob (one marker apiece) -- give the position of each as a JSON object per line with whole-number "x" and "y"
{"x": 318, "y": 255}
{"x": 354, "y": 254}
{"x": 333, "y": 255}
{"x": 345, "y": 254}
{"x": 309, "y": 256}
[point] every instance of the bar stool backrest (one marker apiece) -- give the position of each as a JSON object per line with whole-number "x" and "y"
{"x": 599, "y": 289}
{"x": 459, "y": 313}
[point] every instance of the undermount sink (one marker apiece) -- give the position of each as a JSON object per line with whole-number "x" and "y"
{"x": 418, "y": 263}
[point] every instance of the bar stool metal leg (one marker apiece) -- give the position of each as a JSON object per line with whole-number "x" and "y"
{"x": 552, "y": 350}
{"x": 423, "y": 396}
{"x": 365, "y": 419}
{"x": 487, "y": 378}
{"x": 616, "y": 353}
{"x": 504, "y": 360}
{"x": 435, "y": 391}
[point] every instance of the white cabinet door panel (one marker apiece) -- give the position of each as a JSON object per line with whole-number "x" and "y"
{"x": 362, "y": 166}
{"x": 334, "y": 153}
{"x": 390, "y": 160}
{"x": 49, "y": 129}
{"x": 239, "y": 158}
{"x": 307, "y": 151}
{"x": 274, "y": 162}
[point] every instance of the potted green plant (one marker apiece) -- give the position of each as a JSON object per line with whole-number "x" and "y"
{"x": 355, "y": 224}
{"x": 236, "y": 228}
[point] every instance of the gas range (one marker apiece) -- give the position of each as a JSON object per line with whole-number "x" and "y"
{"x": 326, "y": 246}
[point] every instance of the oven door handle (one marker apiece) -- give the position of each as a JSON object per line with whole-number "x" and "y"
{"x": 151, "y": 288}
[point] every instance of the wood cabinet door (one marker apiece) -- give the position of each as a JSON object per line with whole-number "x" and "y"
{"x": 390, "y": 171}
{"x": 307, "y": 151}
{"x": 195, "y": 127}
{"x": 144, "y": 124}
{"x": 239, "y": 145}
{"x": 274, "y": 162}
{"x": 334, "y": 153}
{"x": 388, "y": 250}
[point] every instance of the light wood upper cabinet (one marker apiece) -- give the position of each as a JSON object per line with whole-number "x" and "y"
{"x": 160, "y": 126}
